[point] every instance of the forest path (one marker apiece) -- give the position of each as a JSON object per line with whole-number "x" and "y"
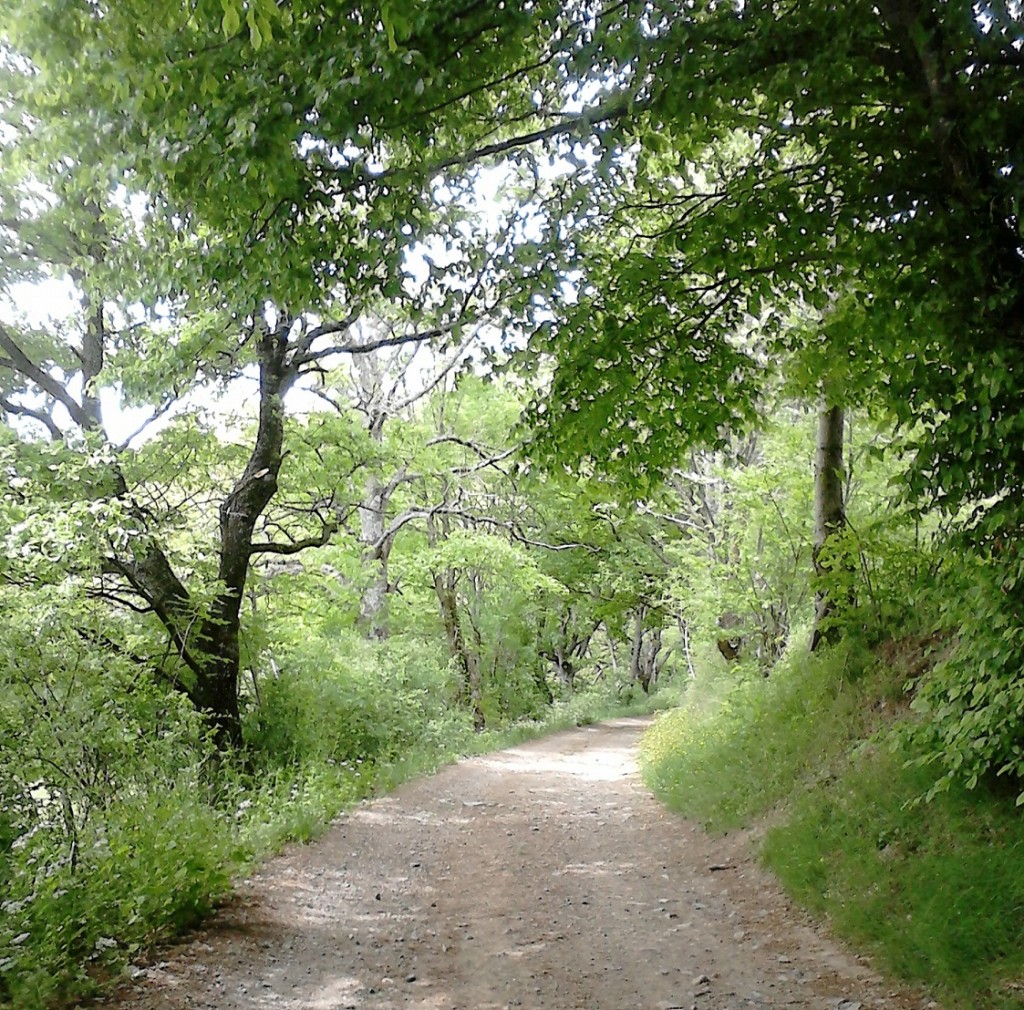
{"x": 544, "y": 876}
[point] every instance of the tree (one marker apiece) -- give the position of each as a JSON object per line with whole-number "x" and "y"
{"x": 383, "y": 387}
{"x": 778, "y": 154}
{"x": 183, "y": 286}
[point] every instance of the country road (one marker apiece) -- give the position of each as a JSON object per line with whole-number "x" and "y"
{"x": 543, "y": 877}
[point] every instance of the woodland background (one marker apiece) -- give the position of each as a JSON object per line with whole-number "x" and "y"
{"x": 378, "y": 380}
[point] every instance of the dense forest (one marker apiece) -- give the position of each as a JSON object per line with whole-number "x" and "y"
{"x": 379, "y": 377}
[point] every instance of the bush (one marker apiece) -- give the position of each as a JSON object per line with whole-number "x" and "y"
{"x": 972, "y": 702}
{"x": 109, "y": 836}
{"x": 348, "y": 702}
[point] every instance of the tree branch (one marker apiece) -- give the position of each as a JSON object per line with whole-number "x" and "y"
{"x": 440, "y": 376}
{"x": 155, "y": 415}
{"x": 448, "y": 510}
{"x": 607, "y": 113}
{"x": 21, "y": 362}
{"x": 268, "y": 547}
{"x": 37, "y": 415}
{"x": 355, "y": 347}
{"x": 154, "y": 580}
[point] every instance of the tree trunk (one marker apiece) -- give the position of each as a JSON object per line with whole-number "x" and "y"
{"x": 444, "y": 587}
{"x": 206, "y": 639}
{"x": 829, "y": 513}
{"x": 730, "y": 646}
{"x": 541, "y": 680}
{"x": 684, "y": 639}
{"x": 375, "y": 549}
{"x": 643, "y": 653}
{"x": 613, "y": 658}
{"x": 208, "y": 643}
{"x": 476, "y": 692}
{"x": 216, "y": 691}
{"x": 469, "y": 693}
{"x": 565, "y": 670}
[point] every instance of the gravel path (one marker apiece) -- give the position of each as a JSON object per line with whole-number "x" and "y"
{"x": 543, "y": 877}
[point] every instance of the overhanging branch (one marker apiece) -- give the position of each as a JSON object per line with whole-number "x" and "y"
{"x": 364, "y": 347}
{"x": 36, "y": 415}
{"x": 21, "y": 362}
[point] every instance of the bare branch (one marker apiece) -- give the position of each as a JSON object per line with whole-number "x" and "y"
{"x": 483, "y": 451}
{"x": 367, "y": 347}
{"x": 402, "y": 476}
{"x": 112, "y": 597}
{"x": 404, "y": 519}
{"x": 37, "y": 415}
{"x": 106, "y": 642}
{"x": 441, "y": 374}
{"x": 169, "y": 601}
{"x": 476, "y": 520}
{"x": 463, "y": 471}
{"x": 156, "y": 413}
{"x": 296, "y": 546}
{"x": 609, "y": 112}
{"x": 324, "y": 329}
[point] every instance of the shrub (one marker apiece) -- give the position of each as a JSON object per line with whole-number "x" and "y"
{"x": 347, "y": 702}
{"x": 109, "y": 835}
{"x": 972, "y": 702}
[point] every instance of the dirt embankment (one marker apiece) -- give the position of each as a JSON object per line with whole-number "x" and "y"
{"x": 543, "y": 877}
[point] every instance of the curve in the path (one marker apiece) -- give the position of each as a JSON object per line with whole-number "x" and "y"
{"x": 542, "y": 877}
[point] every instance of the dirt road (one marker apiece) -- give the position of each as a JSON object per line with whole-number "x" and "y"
{"x": 542, "y": 877}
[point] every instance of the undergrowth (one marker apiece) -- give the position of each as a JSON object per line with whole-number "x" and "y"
{"x": 818, "y": 756}
{"x": 135, "y": 836}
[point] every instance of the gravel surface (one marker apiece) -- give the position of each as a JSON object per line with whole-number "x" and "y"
{"x": 543, "y": 877}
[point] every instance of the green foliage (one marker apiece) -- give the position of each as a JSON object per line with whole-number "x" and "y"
{"x": 825, "y": 194}
{"x": 346, "y": 702}
{"x": 972, "y": 702}
{"x": 744, "y": 573}
{"x": 118, "y": 828}
{"x": 109, "y": 836}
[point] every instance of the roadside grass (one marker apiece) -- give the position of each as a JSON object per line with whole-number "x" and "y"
{"x": 933, "y": 890}
{"x": 737, "y": 744}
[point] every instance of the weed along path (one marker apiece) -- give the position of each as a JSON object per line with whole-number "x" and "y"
{"x": 543, "y": 877}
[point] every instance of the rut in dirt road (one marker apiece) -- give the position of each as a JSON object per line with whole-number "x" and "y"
{"x": 538, "y": 877}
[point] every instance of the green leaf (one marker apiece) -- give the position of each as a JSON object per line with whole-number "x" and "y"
{"x": 232, "y": 20}
{"x": 387, "y": 19}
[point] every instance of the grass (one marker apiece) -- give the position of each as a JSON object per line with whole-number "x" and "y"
{"x": 734, "y": 749}
{"x": 935, "y": 891}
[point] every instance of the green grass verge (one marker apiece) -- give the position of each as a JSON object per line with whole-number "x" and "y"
{"x": 935, "y": 891}
{"x": 733, "y": 749}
